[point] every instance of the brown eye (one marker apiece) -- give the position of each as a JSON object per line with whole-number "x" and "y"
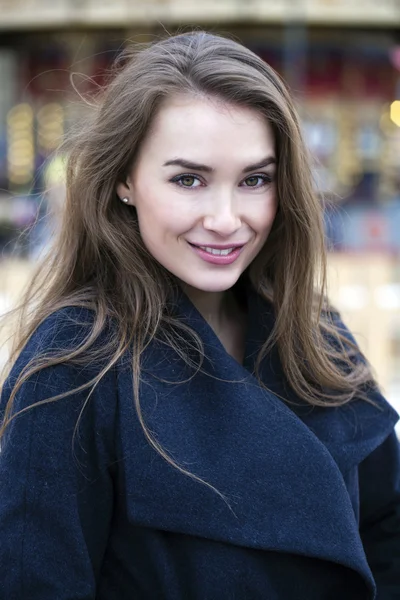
{"x": 188, "y": 181}
{"x": 257, "y": 181}
{"x": 252, "y": 181}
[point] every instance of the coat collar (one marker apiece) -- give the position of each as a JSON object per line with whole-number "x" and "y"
{"x": 350, "y": 432}
{"x": 279, "y": 465}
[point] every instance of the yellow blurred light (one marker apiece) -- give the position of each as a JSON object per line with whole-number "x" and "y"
{"x": 22, "y": 143}
{"x": 50, "y": 109}
{"x": 50, "y": 127}
{"x": 20, "y": 115}
{"x": 19, "y": 134}
{"x": 49, "y": 143}
{"x": 21, "y": 172}
{"x": 395, "y": 112}
{"x": 20, "y": 153}
{"x": 25, "y": 162}
{"x": 51, "y": 133}
{"x": 20, "y": 179}
{"x": 16, "y": 155}
{"x": 21, "y": 163}
{"x": 49, "y": 114}
{"x": 48, "y": 120}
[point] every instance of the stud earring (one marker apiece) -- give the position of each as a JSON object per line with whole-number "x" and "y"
{"x": 125, "y": 200}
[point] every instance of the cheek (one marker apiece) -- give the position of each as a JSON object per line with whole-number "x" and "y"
{"x": 151, "y": 204}
{"x": 159, "y": 214}
{"x": 263, "y": 218}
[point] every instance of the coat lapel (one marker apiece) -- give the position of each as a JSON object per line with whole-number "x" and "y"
{"x": 281, "y": 478}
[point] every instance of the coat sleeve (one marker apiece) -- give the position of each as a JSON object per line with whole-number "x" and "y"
{"x": 379, "y": 481}
{"x": 56, "y": 495}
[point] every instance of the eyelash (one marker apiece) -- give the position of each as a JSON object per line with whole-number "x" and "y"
{"x": 267, "y": 179}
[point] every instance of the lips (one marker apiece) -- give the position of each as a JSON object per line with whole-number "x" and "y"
{"x": 218, "y": 254}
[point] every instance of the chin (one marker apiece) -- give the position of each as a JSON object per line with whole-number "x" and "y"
{"x": 213, "y": 286}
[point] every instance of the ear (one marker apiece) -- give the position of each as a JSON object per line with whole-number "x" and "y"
{"x": 124, "y": 189}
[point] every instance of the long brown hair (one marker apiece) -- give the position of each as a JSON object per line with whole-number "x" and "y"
{"x": 98, "y": 259}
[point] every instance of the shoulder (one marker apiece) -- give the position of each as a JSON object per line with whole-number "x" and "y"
{"x": 70, "y": 335}
{"x": 63, "y": 329}
{"x": 62, "y": 354}
{"x": 53, "y": 402}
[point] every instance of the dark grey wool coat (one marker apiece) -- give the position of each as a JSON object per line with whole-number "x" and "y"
{"x": 311, "y": 506}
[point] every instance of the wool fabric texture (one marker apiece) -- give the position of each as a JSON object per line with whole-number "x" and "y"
{"x": 311, "y": 506}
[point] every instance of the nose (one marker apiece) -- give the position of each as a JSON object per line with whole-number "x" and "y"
{"x": 222, "y": 217}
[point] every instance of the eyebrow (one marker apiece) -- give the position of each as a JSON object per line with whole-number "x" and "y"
{"x": 269, "y": 160}
{"x": 181, "y": 162}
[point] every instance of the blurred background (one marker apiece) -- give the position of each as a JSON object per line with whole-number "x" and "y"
{"x": 342, "y": 61}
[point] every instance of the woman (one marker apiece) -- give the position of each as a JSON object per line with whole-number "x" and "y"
{"x": 186, "y": 416}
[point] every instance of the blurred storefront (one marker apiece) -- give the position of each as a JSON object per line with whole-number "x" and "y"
{"x": 342, "y": 61}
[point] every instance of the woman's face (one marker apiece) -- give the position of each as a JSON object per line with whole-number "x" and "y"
{"x": 204, "y": 189}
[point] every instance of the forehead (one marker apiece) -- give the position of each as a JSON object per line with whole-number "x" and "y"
{"x": 189, "y": 127}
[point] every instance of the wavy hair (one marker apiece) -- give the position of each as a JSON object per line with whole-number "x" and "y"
{"x": 98, "y": 260}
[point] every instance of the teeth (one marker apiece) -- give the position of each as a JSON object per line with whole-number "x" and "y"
{"x": 217, "y": 251}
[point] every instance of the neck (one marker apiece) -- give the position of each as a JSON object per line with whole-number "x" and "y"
{"x": 213, "y": 306}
